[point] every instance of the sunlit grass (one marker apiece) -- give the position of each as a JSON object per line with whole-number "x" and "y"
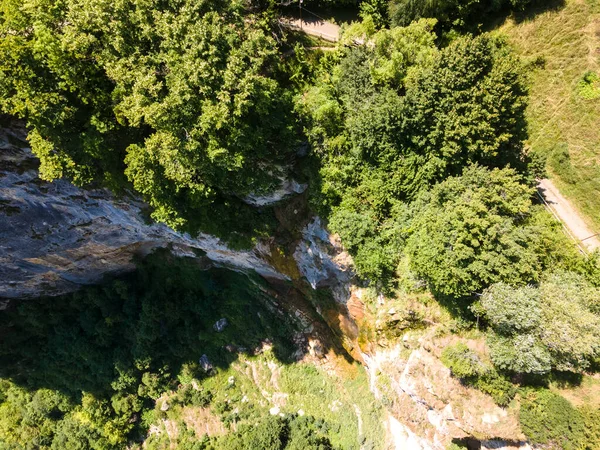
{"x": 560, "y": 114}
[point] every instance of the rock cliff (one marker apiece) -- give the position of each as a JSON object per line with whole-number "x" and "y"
{"x": 55, "y": 236}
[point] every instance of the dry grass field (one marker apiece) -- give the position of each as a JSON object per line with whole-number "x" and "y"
{"x": 562, "y": 47}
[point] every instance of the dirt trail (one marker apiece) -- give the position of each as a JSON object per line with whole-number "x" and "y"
{"x": 564, "y": 210}
{"x": 314, "y": 27}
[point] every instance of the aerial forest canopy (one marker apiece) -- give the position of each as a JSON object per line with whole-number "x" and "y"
{"x": 180, "y": 98}
{"x": 198, "y": 105}
{"x": 410, "y": 133}
{"x": 392, "y": 118}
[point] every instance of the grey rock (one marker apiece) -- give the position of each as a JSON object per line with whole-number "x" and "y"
{"x": 220, "y": 325}
{"x": 55, "y": 237}
{"x": 205, "y": 363}
{"x": 315, "y": 257}
{"x": 287, "y": 188}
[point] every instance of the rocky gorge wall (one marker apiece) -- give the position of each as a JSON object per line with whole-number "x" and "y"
{"x": 56, "y": 237}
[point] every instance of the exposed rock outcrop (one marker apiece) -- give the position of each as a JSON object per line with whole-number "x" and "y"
{"x": 55, "y": 236}
{"x": 430, "y": 408}
{"x": 321, "y": 258}
{"x": 286, "y": 189}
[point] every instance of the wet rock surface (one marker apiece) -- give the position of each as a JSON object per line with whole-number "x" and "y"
{"x": 321, "y": 258}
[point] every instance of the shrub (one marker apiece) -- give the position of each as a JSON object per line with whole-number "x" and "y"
{"x": 466, "y": 364}
{"x": 497, "y": 386}
{"x": 560, "y": 163}
{"x": 589, "y": 86}
{"x": 547, "y": 418}
{"x": 462, "y": 361}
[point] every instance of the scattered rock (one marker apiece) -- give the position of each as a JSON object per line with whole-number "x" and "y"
{"x": 280, "y": 399}
{"x": 315, "y": 348}
{"x": 489, "y": 418}
{"x": 335, "y": 405}
{"x": 300, "y": 412}
{"x": 286, "y": 188}
{"x": 220, "y": 325}
{"x": 274, "y": 410}
{"x": 205, "y": 363}
{"x": 165, "y": 406}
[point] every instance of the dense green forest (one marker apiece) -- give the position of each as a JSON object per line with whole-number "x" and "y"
{"x": 416, "y": 127}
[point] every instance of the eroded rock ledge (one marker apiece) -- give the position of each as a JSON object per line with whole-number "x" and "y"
{"x": 55, "y": 237}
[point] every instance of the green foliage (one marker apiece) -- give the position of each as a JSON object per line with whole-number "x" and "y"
{"x": 462, "y": 361}
{"x": 497, "y": 386}
{"x": 553, "y": 326}
{"x": 180, "y": 97}
{"x": 591, "y": 420}
{"x": 461, "y": 14}
{"x": 589, "y": 86}
{"x": 86, "y": 366}
{"x": 277, "y": 433}
{"x": 467, "y": 365}
{"x": 376, "y": 10}
{"x": 97, "y": 369}
{"x": 392, "y": 118}
{"x": 472, "y": 231}
{"x": 559, "y": 161}
{"x": 547, "y": 418}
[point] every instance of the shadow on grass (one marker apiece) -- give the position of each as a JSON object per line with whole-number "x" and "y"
{"x": 538, "y": 7}
{"x": 530, "y": 12}
{"x": 151, "y": 327}
{"x": 458, "y": 308}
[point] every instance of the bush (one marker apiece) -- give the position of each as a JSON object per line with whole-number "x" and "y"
{"x": 547, "y": 418}
{"x": 560, "y": 163}
{"x": 466, "y": 364}
{"x": 497, "y": 386}
{"x": 589, "y": 86}
{"x": 462, "y": 361}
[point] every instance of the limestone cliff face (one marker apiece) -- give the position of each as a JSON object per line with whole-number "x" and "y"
{"x": 55, "y": 237}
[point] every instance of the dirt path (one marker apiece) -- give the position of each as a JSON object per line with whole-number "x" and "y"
{"x": 314, "y": 27}
{"x": 568, "y": 215}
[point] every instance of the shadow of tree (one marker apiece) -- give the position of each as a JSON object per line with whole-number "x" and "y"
{"x": 140, "y": 332}
{"x": 535, "y": 8}
{"x": 538, "y": 7}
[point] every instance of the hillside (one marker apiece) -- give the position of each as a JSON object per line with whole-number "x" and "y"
{"x": 220, "y": 233}
{"x": 563, "y": 45}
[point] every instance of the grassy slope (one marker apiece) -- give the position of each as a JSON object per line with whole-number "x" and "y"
{"x": 569, "y": 41}
{"x": 252, "y": 385}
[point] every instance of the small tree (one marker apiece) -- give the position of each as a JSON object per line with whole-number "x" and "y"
{"x": 553, "y": 326}
{"x": 471, "y": 231}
